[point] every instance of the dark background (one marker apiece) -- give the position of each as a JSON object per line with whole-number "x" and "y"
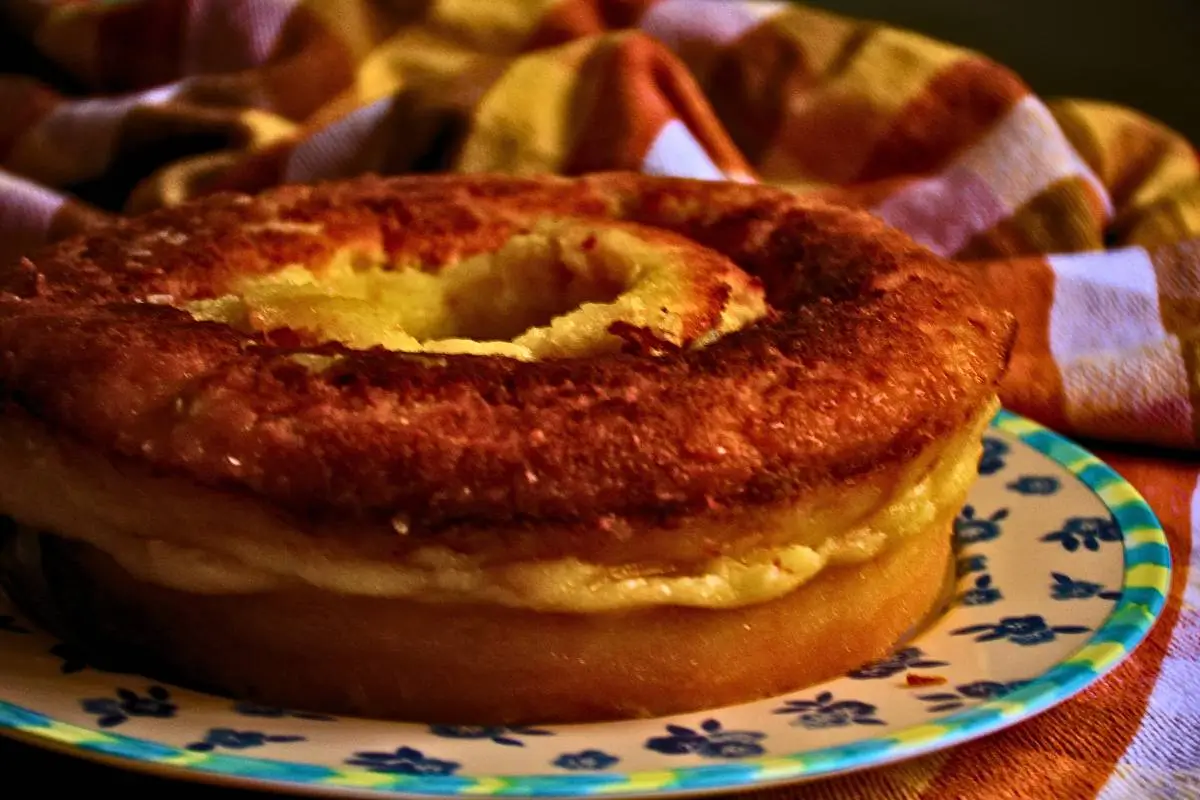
{"x": 1140, "y": 53}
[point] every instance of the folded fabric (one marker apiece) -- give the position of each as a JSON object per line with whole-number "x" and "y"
{"x": 1081, "y": 217}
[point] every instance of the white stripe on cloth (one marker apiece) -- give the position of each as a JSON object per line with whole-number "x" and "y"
{"x": 26, "y": 211}
{"x": 1120, "y": 368}
{"x": 76, "y": 141}
{"x": 1023, "y": 155}
{"x": 676, "y": 152}
{"x": 721, "y": 21}
{"x": 1103, "y": 301}
{"x": 232, "y": 35}
{"x": 1137, "y": 395}
{"x": 337, "y": 150}
{"x": 1163, "y": 760}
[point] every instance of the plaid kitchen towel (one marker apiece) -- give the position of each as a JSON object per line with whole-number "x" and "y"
{"x": 1082, "y": 217}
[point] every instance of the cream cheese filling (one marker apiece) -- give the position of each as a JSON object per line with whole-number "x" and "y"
{"x": 437, "y": 574}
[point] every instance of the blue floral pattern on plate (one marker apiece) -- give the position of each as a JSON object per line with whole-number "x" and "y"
{"x": 1064, "y": 587}
{"x": 941, "y": 702}
{"x": 1028, "y": 630}
{"x": 972, "y": 529}
{"x": 1083, "y": 564}
{"x": 992, "y": 460}
{"x": 968, "y": 564}
{"x": 826, "y": 712}
{"x": 904, "y": 659}
{"x": 231, "y": 739}
{"x": 981, "y": 593}
{"x": 403, "y": 761}
{"x": 1035, "y": 484}
{"x": 586, "y": 760}
{"x": 499, "y": 735}
{"x": 710, "y": 741}
{"x": 1088, "y": 532}
{"x": 110, "y": 712}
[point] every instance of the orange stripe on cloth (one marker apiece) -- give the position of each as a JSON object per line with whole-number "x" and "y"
{"x": 699, "y": 32}
{"x": 759, "y": 81}
{"x": 641, "y": 88}
{"x": 1025, "y": 287}
{"x": 1177, "y": 269}
{"x": 678, "y": 93}
{"x": 765, "y": 77}
{"x": 1177, "y": 273}
{"x": 574, "y": 19}
{"x": 308, "y": 66}
{"x": 751, "y": 82}
{"x": 830, "y": 132}
{"x": 1070, "y": 751}
{"x": 957, "y": 107}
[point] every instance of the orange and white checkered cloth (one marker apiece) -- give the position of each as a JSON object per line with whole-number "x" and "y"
{"x": 1081, "y": 217}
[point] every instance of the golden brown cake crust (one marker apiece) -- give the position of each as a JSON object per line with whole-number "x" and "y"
{"x": 879, "y": 348}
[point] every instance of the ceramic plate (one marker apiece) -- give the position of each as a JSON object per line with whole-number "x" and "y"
{"x": 1061, "y": 569}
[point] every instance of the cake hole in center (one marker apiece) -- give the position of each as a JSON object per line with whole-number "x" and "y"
{"x": 485, "y": 303}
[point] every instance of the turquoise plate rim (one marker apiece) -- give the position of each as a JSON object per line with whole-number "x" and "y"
{"x": 1146, "y": 581}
